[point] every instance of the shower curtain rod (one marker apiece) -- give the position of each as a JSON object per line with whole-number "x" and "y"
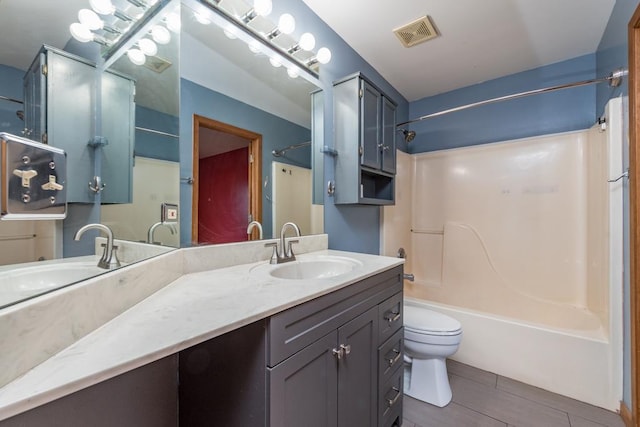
{"x": 157, "y": 132}
{"x": 281, "y": 151}
{"x": 6, "y": 98}
{"x": 614, "y": 79}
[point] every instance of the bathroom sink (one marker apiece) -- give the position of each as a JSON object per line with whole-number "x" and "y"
{"x": 24, "y": 282}
{"x": 319, "y": 267}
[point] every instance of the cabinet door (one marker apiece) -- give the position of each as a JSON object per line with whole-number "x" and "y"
{"x": 35, "y": 98}
{"x": 302, "y": 389}
{"x": 370, "y": 126}
{"x": 70, "y": 119}
{"x": 388, "y": 136}
{"x": 358, "y": 371}
{"x": 118, "y": 118}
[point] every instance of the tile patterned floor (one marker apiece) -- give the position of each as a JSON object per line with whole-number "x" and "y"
{"x": 483, "y": 399}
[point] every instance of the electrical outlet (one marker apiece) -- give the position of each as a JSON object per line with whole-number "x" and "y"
{"x": 169, "y": 212}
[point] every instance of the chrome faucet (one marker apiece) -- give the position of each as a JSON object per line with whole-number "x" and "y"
{"x": 108, "y": 259}
{"x": 152, "y": 229}
{"x": 285, "y": 252}
{"x": 252, "y": 225}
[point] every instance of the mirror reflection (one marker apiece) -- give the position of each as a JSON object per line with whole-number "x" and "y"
{"x": 156, "y": 167}
{"x": 242, "y": 109}
{"x": 229, "y": 93}
{"x": 61, "y": 76}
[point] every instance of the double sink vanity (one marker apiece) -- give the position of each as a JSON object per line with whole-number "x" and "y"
{"x": 212, "y": 335}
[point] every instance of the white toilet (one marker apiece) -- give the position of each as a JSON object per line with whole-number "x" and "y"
{"x": 429, "y": 338}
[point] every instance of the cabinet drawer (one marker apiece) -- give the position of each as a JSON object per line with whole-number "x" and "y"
{"x": 292, "y": 330}
{"x": 390, "y": 355}
{"x": 393, "y": 419}
{"x": 390, "y": 399}
{"x": 390, "y": 320}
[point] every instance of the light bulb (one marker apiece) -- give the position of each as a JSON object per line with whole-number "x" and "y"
{"x": 90, "y": 19}
{"x": 148, "y": 47}
{"x": 275, "y": 62}
{"x": 307, "y": 41}
{"x": 160, "y": 34}
{"x": 103, "y": 7}
{"x": 136, "y": 56}
{"x": 286, "y": 23}
{"x": 173, "y": 22}
{"x": 324, "y": 55}
{"x": 293, "y": 72}
{"x": 229, "y": 34}
{"x": 81, "y": 32}
{"x": 201, "y": 18}
{"x": 262, "y": 7}
{"x": 254, "y": 46}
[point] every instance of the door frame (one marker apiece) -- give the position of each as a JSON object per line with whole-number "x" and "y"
{"x": 630, "y": 415}
{"x": 255, "y": 169}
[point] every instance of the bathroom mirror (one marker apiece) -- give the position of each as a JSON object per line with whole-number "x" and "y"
{"x": 28, "y": 24}
{"x": 38, "y": 245}
{"x": 227, "y": 88}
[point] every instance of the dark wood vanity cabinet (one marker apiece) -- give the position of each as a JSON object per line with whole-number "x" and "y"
{"x": 333, "y": 361}
{"x": 329, "y": 383}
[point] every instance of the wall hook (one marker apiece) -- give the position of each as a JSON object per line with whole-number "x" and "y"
{"x": 96, "y": 185}
{"x": 331, "y": 188}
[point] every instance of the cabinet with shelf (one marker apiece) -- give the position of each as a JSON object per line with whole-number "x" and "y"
{"x": 364, "y": 125}
{"x": 60, "y": 96}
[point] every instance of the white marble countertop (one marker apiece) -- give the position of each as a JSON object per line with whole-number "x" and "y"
{"x": 192, "y": 309}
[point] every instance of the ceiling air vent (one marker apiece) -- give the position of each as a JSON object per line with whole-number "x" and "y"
{"x": 416, "y": 32}
{"x": 157, "y": 64}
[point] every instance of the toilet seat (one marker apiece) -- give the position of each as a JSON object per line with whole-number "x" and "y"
{"x": 424, "y": 321}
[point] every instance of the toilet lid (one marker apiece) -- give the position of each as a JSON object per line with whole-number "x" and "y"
{"x": 428, "y": 321}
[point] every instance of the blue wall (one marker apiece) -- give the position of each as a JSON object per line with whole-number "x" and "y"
{"x": 612, "y": 51}
{"x": 153, "y": 145}
{"x": 276, "y": 133}
{"x": 560, "y": 111}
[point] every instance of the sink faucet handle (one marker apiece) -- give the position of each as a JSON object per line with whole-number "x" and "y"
{"x": 289, "y": 253}
{"x": 274, "y": 254}
{"x": 106, "y": 260}
{"x": 251, "y": 226}
{"x": 115, "y": 262}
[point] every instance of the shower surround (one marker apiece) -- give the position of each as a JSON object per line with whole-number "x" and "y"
{"x": 521, "y": 241}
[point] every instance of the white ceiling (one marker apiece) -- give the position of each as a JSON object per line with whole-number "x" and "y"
{"x": 27, "y": 24}
{"x": 480, "y": 39}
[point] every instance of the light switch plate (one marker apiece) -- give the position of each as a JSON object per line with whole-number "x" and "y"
{"x": 169, "y": 213}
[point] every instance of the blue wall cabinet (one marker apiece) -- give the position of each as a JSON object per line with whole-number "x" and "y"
{"x": 364, "y": 126}
{"x": 60, "y": 100}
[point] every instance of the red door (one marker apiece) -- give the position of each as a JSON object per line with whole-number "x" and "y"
{"x": 223, "y": 197}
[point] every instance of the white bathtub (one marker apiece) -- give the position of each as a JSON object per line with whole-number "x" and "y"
{"x": 565, "y": 362}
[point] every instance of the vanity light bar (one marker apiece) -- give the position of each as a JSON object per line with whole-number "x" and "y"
{"x": 124, "y": 41}
{"x": 277, "y": 55}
